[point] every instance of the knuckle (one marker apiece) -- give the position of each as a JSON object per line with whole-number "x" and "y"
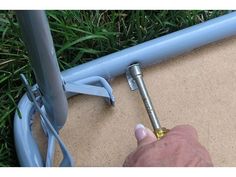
{"x": 186, "y": 131}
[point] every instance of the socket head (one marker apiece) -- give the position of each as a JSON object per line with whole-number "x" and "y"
{"x": 135, "y": 70}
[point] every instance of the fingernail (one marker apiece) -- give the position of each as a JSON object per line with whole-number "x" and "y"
{"x": 140, "y": 132}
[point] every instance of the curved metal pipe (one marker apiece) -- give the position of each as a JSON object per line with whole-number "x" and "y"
{"x": 109, "y": 66}
{"x": 26, "y": 147}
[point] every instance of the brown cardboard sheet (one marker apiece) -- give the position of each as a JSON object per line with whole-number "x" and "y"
{"x": 197, "y": 88}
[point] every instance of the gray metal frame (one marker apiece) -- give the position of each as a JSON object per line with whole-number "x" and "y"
{"x": 89, "y": 78}
{"x": 38, "y": 40}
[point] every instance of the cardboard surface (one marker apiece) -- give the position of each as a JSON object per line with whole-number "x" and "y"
{"x": 198, "y": 88}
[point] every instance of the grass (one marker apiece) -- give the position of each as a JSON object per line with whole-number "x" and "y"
{"x": 79, "y": 36}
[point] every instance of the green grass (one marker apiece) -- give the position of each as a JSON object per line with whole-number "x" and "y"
{"x": 79, "y": 36}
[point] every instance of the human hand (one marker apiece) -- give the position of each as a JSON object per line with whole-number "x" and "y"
{"x": 180, "y": 147}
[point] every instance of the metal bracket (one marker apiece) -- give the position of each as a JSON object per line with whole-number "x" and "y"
{"x": 95, "y": 86}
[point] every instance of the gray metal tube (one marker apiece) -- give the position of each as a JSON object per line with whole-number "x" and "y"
{"x": 38, "y": 40}
{"x": 156, "y": 50}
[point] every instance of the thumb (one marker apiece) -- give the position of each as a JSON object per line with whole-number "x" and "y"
{"x": 144, "y": 135}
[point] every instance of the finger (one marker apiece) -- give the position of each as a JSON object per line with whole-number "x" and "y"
{"x": 144, "y": 135}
